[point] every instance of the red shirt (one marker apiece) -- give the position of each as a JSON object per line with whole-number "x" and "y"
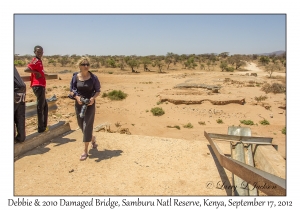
{"x": 37, "y": 65}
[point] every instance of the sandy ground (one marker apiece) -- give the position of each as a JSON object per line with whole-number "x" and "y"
{"x": 145, "y": 89}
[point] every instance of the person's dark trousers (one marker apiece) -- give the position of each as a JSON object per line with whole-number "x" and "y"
{"x": 42, "y": 107}
{"x": 86, "y": 124}
{"x": 19, "y": 122}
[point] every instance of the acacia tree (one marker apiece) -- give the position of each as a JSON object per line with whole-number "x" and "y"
{"x": 236, "y": 60}
{"x": 159, "y": 64}
{"x": 231, "y": 60}
{"x": 270, "y": 68}
{"x": 273, "y": 57}
{"x": 146, "y": 61}
{"x": 201, "y": 58}
{"x": 175, "y": 59}
{"x": 239, "y": 64}
{"x": 202, "y": 66}
{"x": 169, "y": 59}
{"x": 223, "y": 65}
{"x": 64, "y": 60}
{"x": 96, "y": 61}
{"x": 132, "y": 63}
{"x": 190, "y": 63}
{"x": 74, "y": 58}
{"x": 224, "y": 54}
{"x": 264, "y": 60}
{"x": 52, "y": 61}
{"x": 213, "y": 58}
{"x": 208, "y": 63}
{"x": 121, "y": 63}
{"x": 282, "y": 59}
{"x": 111, "y": 62}
{"x": 182, "y": 58}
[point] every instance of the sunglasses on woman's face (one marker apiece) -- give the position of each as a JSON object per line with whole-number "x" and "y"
{"x": 85, "y": 64}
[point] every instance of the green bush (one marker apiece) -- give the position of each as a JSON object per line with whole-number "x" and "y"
{"x": 230, "y": 69}
{"x": 111, "y": 63}
{"x": 189, "y": 125}
{"x": 264, "y": 122}
{"x": 260, "y": 98}
{"x": 220, "y": 121}
{"x": 116, "y": 95}
{"x": 274, "y": 88}
{"x": 19, "y": 63}
{"x": 175, "y": 126}
{"x": 283, "y": 131}
{"x": 157, "y": 111}
{"x": 247, "y": 122}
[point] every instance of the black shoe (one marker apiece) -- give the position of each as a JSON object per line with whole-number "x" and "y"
{"x": 47, "y": 129}
{"x": 20, "y": 142}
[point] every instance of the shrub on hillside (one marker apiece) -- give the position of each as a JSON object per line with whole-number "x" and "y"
{"x": 229, "y": 68}
{"x": 116, "y": 95}
{"x": 220, "y": 121}
{"x": 157, "y": 111}
{"x": 264, "y": 122}
{"x": 260, "y": 98}
{"x": 189, "y": 125}
{"x": 247, "y": 122}
{"x": 273, "y": 88}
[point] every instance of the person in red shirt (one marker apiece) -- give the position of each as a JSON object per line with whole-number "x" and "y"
{"x": 38, "y": 85}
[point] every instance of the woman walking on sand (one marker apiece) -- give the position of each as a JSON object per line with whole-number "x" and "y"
{"x": 85, "y": 88}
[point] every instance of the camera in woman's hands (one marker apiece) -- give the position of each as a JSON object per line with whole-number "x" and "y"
{"x": 85, "y": 102}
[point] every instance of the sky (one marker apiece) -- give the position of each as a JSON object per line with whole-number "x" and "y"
{"x": 149, "y": 34}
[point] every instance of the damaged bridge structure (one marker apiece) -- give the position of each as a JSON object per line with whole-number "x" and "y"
{"x": 246, "y": 152}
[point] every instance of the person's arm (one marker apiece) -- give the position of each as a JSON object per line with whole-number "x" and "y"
{"x": 97, "y": 90}
{"x": 45, "y": 73}
{"x": 37, "y": 74}
{"x": 92, "y": 99}
{"x": 73, "y": 89}
{"x": 73, "y": 85}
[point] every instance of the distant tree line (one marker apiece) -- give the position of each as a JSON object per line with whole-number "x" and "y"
{"x": 207, "y": 61}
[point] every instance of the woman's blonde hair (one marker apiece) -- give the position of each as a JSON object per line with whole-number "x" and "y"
{"x": 83, "y": 59}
